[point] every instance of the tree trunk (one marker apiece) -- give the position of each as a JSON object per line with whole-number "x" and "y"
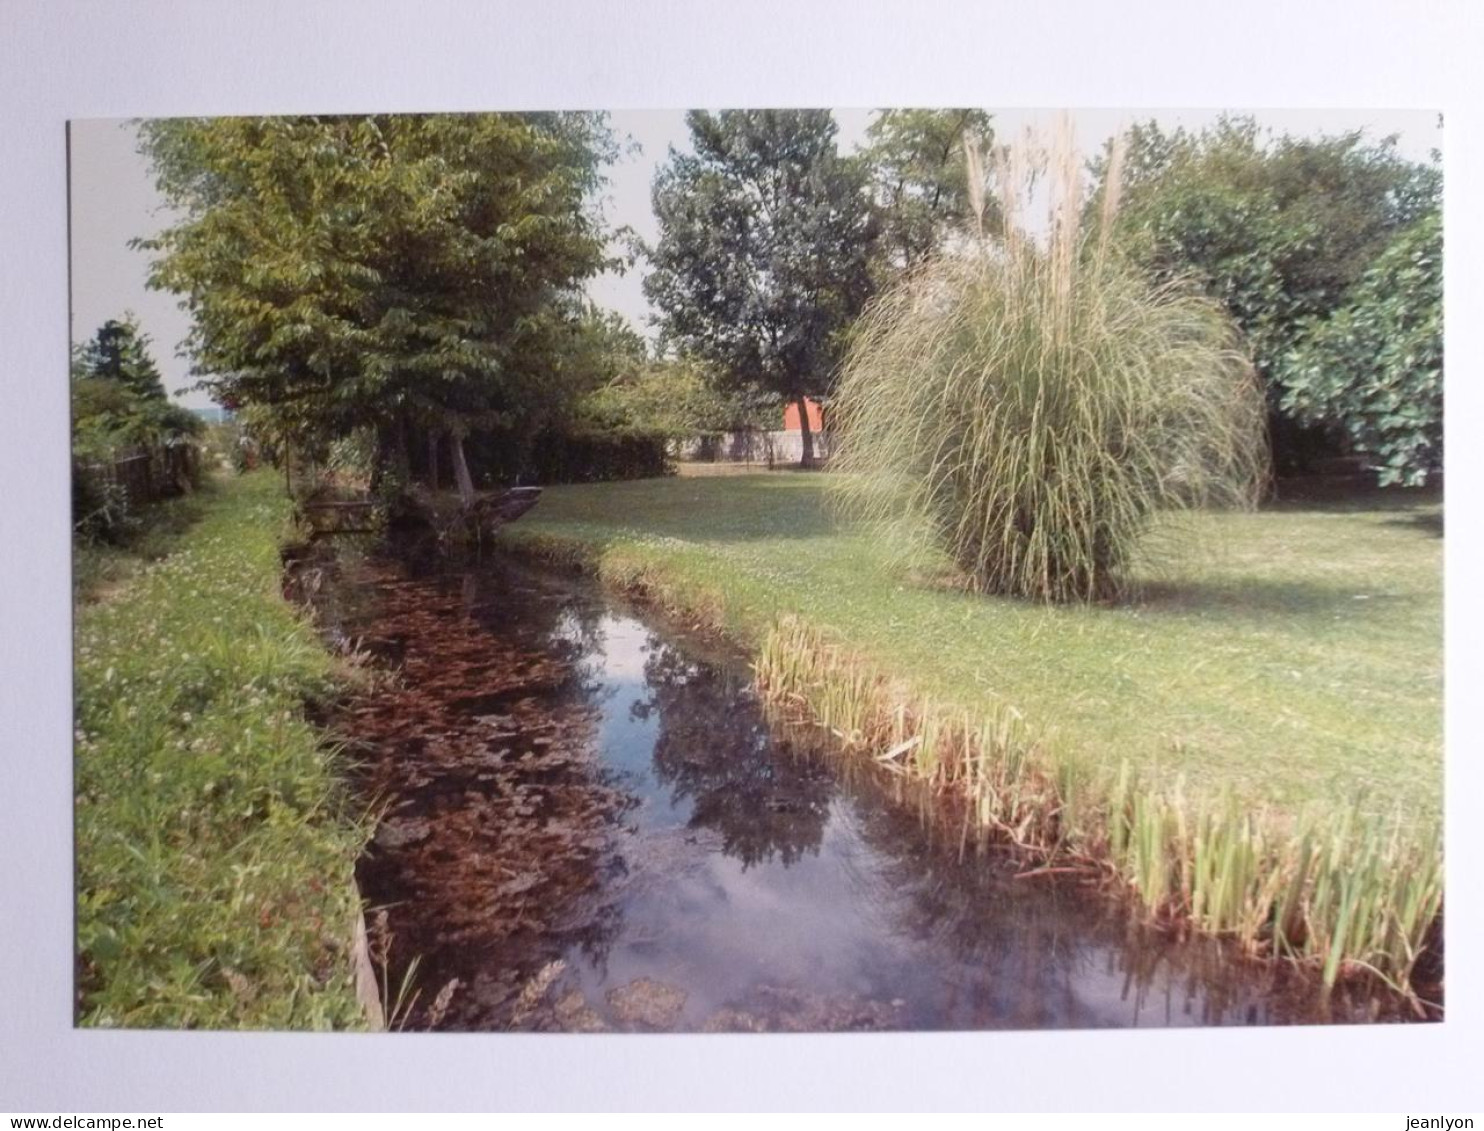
{"x": 461, "y": 470}
{"x": 390, "y": 463}
{"x": 805, "y": 435}
{"x": 404, "y": 448}
{"x": 433, "y": 460}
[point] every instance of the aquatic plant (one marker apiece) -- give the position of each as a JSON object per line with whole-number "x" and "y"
{"x": 1342, "y": 892}
{"x": 1029, "y": 405}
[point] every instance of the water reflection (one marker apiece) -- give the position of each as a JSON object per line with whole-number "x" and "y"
{"x": 569, "y": 782}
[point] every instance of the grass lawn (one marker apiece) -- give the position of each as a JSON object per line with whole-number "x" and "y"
{"x": 214, "y": 858}
{"x": 1299, "y": 659}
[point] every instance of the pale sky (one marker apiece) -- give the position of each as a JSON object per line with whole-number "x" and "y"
{"x": 114, "y": 201}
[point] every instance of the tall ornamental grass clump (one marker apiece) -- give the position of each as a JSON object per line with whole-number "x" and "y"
{"x": 1029, "y": 403}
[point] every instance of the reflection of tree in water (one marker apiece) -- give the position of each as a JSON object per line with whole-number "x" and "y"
{"x": 714, "y": 748}
{"x": 999, "y": 957}
{"x": 1029, "y": 953}
{"x": 985, "y": 950}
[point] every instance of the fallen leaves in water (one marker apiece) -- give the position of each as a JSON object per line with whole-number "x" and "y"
{"x": 647, "y": 1003}
{"x": 496, "y": 824}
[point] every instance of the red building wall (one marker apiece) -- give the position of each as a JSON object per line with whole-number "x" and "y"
{"x": 791, "y": 416}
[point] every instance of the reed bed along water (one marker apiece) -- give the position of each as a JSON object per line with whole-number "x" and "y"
{"x": 1337, "y": 890}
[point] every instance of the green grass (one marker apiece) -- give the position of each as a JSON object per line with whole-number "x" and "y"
{"x": 214, "y": 857}
{"x": 1261, "y": 727}
{"x": 1303, "y": 661}
{"x": 98, "y": 567}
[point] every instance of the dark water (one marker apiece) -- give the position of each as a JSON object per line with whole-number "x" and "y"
{"x": 589, "y": 825}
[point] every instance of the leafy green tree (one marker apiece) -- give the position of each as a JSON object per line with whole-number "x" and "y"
{"x": 412, "y": 274}
{"x": 1278, "y": 231}
{"x": 118, "y": 398}
{"x": 119, "y": 407}
{"x": 120, "y": 352}
{"x": 604, "y": 350}
{"x": 681, "y": 398}
{"x": 763, "y": 260}
{"x": 920, "y": 178}
{"x": 1375, "y": 367}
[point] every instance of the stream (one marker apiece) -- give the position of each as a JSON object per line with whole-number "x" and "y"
{"x": 587, "y": 823}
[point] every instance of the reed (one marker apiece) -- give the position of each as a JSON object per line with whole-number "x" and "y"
{"x": 1340, "y": 892}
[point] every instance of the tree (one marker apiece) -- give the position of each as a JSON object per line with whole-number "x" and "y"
{"x": 118, "y": 402}
{"x": 1375, "y": 367}
{"x": 118, "y": 398}
{"x": 920, "y": 179}
{"x": 764, "y": 254}
{"x": 1278, "y": 231}
{"x": 119, "y": 352}
{"x": 681, "y": 398}
{"x": 412, "y": 274}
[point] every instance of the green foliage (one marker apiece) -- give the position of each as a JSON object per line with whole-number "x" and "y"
{"x": 603, "y": 349}
{"x": 681, "y": 398}
{"x": 108, "y": 415}
{"x": 118, "y": 352}
{"x": 1028, "y": 409}
{"x": 408, "y": 272}
{"x": 119, "y": 408}
{"x": 118, "y": 398}
{"x": 920, "y": 180}
{"x": 765, "y": 247}
{"x": 587, "y": 454}
{"x": 1278, "y": 231}
{"x": 1375, "y": 366}
{"x": 214, "y": 858}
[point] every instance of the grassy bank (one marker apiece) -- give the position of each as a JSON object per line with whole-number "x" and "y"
{"x": 1255, "y": 745}
{"x": 214, "y": 858}
{"x": 100, "y": 567}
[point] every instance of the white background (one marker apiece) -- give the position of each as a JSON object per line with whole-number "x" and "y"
{"x": 63, "y": 60}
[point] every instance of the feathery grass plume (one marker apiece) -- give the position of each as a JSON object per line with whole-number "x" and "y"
{"x": 1112, "y": 192}
{"x": 974, "y": 172}
{"x": 1031, "y": 406}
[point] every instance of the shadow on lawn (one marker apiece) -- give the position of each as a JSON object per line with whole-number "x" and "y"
{"x": 1416, "y": 508}
{"x": 768, "y": 506}
{"x": 1349, "y": 495}
{"x": 1253, "y": 598}
{"x": 1429, "y": 522}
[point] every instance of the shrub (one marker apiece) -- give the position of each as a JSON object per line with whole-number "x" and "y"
{"x": 128, "y": 450}
{"x": 1375, "y": 367}
{"x": 1029, "y": 405}
{"x": 593, "y": 456}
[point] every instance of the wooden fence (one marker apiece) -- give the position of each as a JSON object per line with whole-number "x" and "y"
{"x": 144, "y": 475}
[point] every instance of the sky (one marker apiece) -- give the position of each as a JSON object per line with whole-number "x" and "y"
{"x": 113, "y": 201}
